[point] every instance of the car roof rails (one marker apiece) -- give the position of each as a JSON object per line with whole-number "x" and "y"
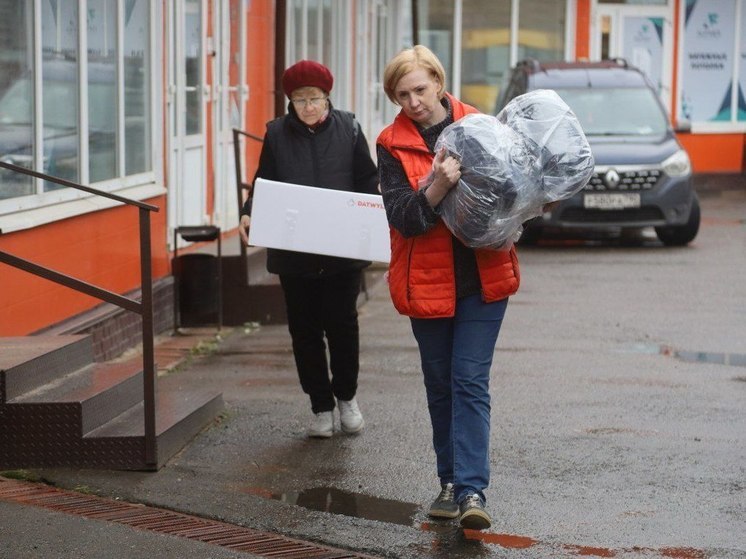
{"x": 532, "y": 63}
{"x": 620, "y": 61}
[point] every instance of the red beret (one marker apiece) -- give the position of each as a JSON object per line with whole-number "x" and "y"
{"x": 307, "y": 73}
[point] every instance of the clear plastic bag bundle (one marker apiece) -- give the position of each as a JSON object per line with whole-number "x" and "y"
{"x": 533, "y": 153}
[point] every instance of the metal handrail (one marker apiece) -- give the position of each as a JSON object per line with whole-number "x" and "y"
{"x": 144, "y": 307}
{"x": 241, "y": 186}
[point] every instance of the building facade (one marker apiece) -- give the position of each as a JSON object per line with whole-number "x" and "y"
{"x": 693, "y": 50}
{"x": 140, "y": 97}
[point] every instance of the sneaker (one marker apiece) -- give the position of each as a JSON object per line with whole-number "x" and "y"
{"x": 472, "y": 513}
{"x": 322, "y": 425}
{"x": 350, "y": 417}
{"x": 444, "y": 506}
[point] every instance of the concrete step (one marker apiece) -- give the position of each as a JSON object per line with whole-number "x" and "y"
{"x": 94, "y": 394}
{"x": 180, "y": 416}
{"x": 27, "y": 363}
{"x": 60, "y": 409}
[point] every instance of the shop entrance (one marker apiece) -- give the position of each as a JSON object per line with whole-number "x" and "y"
{"x": 229, "y": 102}
{"x": 642, "y": 35}
{"x": 187, "y": 96}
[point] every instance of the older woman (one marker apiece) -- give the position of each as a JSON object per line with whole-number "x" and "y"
{"x": 455, "y": 296}
{"x": 315, "y": 144}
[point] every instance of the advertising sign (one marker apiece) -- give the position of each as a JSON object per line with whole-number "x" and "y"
{"x": 742, "y": 69}
{"x": 643, "y": 46}
{"x": 707, "y": 69}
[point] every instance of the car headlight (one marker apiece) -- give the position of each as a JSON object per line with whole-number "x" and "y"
{"x": 678, "y": 165}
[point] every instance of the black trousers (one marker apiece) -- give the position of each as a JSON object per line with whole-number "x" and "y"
{"x": 318, "y": 308}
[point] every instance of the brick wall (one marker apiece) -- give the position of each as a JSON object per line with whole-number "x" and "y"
{"x": 114, "y": 330}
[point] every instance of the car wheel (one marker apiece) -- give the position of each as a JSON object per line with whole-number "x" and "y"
{"x": 680, "y": 235}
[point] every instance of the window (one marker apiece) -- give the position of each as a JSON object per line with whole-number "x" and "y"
{"x": 315, "y": 52}
{"x": 636, "y": 2}
{"x": 59, "y": 91}
{"x": 193, "y": 61}
{"x": 84, "y": 117}
{"x": 541, "y": 30}
{"x": 741, "y": 111}
{"x": 355, "y": 40}
{"x": 435, "y": 30}
{"x": 313, "y": 31}
{"x": 310, "y": 25}
{"x": 489, "y": 48}
{"x": 16, "y": 97}
{"x": 137, "y": 88}
{"x": 485, "y": 50}
{"x": 102, "y": 98}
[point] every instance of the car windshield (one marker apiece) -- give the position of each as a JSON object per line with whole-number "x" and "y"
{"x": 616, "y": 112}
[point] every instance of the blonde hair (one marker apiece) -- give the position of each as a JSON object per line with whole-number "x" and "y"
{"x": 408, "y": 60}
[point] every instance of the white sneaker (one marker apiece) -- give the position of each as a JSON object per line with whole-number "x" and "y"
{"x": 350, "y": 416}
{"x": 322, "y": 425}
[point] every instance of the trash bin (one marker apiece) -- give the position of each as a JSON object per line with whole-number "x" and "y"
{"x": 197, "y": 280}
{"x": 197, "y": 277}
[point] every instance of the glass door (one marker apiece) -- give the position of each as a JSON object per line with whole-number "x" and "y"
{"x": 228, "y": 105}
{"x": 187, "y": 94}
{"x": 642, "y": 35}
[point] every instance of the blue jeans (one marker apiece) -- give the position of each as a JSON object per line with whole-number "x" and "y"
{"x": 456, "y": 357}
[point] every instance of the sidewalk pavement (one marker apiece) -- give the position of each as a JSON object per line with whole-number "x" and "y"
{"x": 34, "y": 529}
{"x": 707, "y": 183}
{"x": 602, "y": 445}
{"x": 40, "y": 526}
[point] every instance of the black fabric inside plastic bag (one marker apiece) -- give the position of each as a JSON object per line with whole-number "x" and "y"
{"x": 533, "y": 153}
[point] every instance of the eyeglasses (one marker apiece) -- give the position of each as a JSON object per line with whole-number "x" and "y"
{"x": 314, "y": 102}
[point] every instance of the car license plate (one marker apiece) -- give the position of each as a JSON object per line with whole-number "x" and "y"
{"x": 612, "y": 201}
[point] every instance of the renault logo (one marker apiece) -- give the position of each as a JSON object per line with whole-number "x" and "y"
{"x": 611, "y": 178}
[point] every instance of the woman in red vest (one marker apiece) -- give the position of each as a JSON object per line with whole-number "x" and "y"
{"x": 455, "y": 296}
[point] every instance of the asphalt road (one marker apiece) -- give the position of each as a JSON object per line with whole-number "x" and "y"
{"x": 618, "y": 413}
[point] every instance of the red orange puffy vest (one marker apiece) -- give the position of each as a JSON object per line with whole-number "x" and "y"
{"x": 421, "y": 276}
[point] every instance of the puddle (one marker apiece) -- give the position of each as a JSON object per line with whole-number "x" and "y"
{"x": 710, "y": 357}
{"x": 336, "y": 501}
{"x": 734, "y": 359}
{"x": 646, "y": 349}
{"x": 449, "y": 541}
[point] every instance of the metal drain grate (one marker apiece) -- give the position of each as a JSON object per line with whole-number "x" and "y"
{"x": 168, "y": 522}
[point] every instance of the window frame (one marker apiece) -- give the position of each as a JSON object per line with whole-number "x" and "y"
{"x": 453, "y": 69}
{"x": 24, "y": 212}
{"x": 328, "y": 43}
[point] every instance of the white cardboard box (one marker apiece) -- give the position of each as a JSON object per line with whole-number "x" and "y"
{"x": 319, "y": 220}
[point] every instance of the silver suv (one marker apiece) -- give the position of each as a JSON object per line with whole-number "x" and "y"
{"x": 643, "y": 176}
